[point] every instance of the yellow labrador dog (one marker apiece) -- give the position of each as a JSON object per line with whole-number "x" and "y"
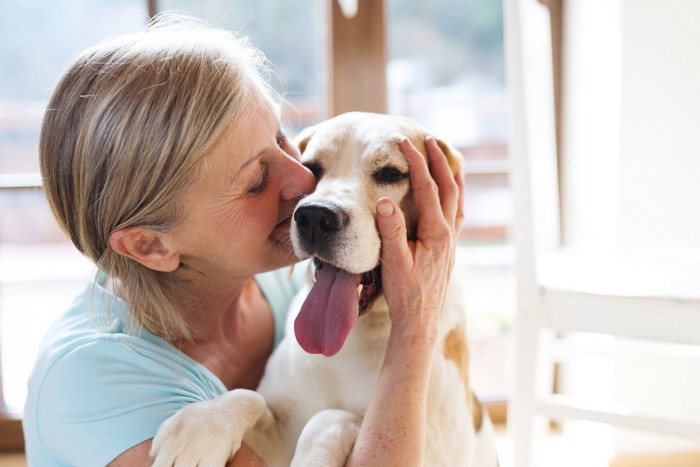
{"x": 319, "y": 381}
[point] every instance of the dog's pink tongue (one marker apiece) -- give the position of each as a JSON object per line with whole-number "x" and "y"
{"x": 329, "y": 312}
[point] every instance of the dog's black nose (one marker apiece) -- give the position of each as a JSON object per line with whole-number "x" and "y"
{"x": 316, "y": 222}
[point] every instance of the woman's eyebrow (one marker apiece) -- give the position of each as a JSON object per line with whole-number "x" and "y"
{"x": 251, "y": 160}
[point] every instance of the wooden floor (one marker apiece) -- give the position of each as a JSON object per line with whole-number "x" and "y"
{"x": 12, "y": 460}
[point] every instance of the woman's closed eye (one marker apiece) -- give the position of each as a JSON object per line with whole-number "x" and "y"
{"x": 262, "y": 179}
{"x": 260, "y": 182}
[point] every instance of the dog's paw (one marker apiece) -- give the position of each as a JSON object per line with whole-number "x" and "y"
{"x": 327, "y": 439}
{"x": 207, "y": 433}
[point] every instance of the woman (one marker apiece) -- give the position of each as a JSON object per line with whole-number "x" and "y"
{"x": 164, "y": 161}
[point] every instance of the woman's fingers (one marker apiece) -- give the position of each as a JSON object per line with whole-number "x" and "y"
{"x": 437, "y": 192}
{"x": 459, "y": 218}
{"x": 425, "y": 189}
{"x": 440, "y": 169}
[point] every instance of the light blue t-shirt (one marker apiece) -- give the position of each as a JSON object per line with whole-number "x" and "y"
{"x": 96, "y": 391}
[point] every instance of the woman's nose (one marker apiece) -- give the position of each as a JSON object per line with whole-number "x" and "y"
{"x": 299, "y": 180}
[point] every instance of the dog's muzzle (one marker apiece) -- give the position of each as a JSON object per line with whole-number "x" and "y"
{"x": 317, "y": 224}
{"x": 338, "y": 296}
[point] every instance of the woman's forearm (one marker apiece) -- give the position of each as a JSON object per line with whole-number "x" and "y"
{"x": 393, "y": 429}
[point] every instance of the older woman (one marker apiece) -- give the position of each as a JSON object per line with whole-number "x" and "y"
{"x": 165, "y": 162}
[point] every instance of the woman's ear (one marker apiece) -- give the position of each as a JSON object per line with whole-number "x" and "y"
{"x": 146, "y": 247}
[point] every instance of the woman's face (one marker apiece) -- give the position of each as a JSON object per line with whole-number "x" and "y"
{"x": 237, "y": 217}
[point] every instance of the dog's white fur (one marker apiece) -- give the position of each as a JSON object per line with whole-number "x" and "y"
{"x": 308, "y": 408}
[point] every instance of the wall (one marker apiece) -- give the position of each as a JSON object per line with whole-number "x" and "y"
{"x": 660, "y": 137}
{"x": 659, "y": 202}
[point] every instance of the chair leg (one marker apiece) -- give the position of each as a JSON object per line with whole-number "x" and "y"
{"x": 534, "y": 372}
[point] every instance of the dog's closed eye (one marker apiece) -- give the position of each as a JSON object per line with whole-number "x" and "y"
{"x": 315, "y": 169}
{"x": 389, "y": 175}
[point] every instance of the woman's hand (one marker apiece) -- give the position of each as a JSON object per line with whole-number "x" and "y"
{"x": 415, "y": 273}
{"x": 414, "y": 277}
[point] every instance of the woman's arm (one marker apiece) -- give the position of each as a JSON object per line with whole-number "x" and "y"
{"x": 138, "y": 456}
{"x": 415, "y": 277}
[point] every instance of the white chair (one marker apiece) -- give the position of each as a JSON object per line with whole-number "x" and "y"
{"x": 647, "y": 295}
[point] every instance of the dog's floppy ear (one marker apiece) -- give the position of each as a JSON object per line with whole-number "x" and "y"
{"x": 454, "y": 157}
{"x": 304, "y": 137}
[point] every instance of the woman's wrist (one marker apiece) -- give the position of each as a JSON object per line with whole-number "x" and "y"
{"x": 412, "y": 345}
{"x": 416, "y": 324}
{"x": 414, "y": 336}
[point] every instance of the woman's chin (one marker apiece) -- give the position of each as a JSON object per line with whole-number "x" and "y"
{"x": 283, "y": 254}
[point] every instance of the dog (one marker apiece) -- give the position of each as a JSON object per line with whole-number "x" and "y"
{"x": 318, "y": 383}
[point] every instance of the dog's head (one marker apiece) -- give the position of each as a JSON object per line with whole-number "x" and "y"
{"x": 356, "y": 160}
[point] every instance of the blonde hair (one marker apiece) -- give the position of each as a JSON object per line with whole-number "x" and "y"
{"x": 123, "y": 137}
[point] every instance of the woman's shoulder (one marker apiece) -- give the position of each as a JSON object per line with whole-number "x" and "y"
{"x": 90, "y": 353}
{"x": 93, "y": 398}
{"x": 95, "y": 383}
{"x": 94, "y": 337}
{"x": 95, "y": 324}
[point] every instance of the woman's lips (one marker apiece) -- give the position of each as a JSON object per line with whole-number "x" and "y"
{"x": 281, "y": 230}
{"x": 284, "y": 224}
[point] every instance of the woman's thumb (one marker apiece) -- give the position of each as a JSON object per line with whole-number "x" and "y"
{"x": 392, "y": 230}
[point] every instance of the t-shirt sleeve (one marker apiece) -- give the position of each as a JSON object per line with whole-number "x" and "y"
{"x": 131, "y": 389}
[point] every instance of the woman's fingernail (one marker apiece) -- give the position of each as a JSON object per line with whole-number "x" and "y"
{"x": 430, "y": 141}
{"x": 385, "y": 208}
